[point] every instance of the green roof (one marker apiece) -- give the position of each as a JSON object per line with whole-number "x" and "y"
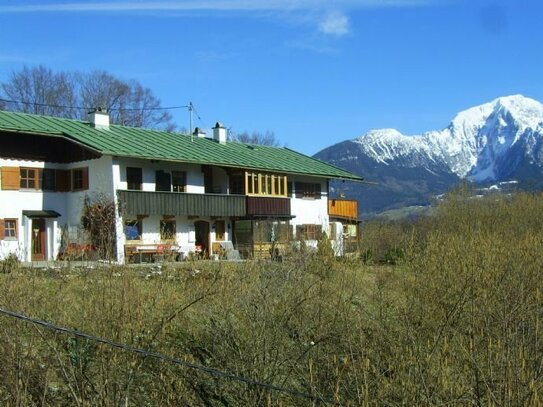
{"x": 135, "y": 142}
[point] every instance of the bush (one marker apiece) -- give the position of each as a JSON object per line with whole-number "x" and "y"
{"x": 453, "y": 318}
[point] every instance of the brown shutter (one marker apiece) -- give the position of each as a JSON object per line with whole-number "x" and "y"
{"x": 11, "y": 178}
{"x": 85, "y": 178}
{"x": 64, "y": 180}
{"x": 2, "y": 231}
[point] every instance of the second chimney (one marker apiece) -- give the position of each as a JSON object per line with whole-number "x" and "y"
{"x": 198, "y": 132}
{"x": 219, "y": 133}
{"x": 99, "y": 118}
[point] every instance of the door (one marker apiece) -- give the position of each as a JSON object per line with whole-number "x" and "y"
{"x": 201, "y": 232}
{"x": 39, "y": 240}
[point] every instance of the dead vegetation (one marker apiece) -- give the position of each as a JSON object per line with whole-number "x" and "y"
{"x": 451, "y": 315}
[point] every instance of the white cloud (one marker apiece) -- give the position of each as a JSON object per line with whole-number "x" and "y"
{"x": 199, "y": 5}
{"x": 335, "y": 23}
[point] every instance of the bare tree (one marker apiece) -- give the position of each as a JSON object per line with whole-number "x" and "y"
{"x": 72, "y": 94}
{"x": 263, "y": 139}
{"x": 44, "y": 91}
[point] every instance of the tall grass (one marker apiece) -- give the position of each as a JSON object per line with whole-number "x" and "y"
{"x": 451, "y": 316}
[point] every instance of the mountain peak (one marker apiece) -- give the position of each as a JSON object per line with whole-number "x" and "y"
{"x": 382, "y": 134}
{"x": 495, "y": 141}
{"x": 526, "y": 111}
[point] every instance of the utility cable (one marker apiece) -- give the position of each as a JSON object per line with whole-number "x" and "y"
{"x": 142, "y": 352}
{"x": 88, "y": 108}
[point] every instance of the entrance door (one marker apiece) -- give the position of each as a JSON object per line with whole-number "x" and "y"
{"x": 201, "y": 231}
{"x": 39, "y": 240}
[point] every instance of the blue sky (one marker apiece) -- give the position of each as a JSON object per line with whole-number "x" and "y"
{"x": 315, "y": 72}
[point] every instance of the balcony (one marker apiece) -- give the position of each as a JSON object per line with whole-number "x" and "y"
{"x": 259, "y": 206}
{"x": 178, "y": 203}
{"x": 343, "y": 209}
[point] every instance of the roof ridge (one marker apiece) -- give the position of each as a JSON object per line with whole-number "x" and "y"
{"x": 145, "y": 143}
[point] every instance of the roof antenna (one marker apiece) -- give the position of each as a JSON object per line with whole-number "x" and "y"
{"x": 191, "y": 108}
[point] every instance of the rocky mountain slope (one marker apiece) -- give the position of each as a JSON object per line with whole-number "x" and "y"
{"x": 494, "y": 142}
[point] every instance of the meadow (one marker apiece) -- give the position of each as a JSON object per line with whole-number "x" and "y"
{"x": 443, "y": 310}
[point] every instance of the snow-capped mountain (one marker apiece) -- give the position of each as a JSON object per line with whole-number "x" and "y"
{"x": 496, "y": 141}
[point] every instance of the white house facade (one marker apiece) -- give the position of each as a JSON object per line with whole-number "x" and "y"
{"x": 173, "y": 194}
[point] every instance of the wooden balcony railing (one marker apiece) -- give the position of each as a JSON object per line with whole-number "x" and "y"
{"x": 179, "y": 203}
{"x": 268, "y": 207}
{"x": 343, "y": 209}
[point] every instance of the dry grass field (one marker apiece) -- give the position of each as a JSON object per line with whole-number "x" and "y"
{"x": 446, "y": 310}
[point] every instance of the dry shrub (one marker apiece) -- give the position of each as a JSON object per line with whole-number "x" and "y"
{"x": 456, "y": 322}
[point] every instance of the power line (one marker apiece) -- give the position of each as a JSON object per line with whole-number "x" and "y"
{"x": 21, "y": 102}
{"x": 142, "y": 352}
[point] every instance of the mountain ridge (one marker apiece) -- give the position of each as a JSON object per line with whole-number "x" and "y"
{"x": 496, "y": 141}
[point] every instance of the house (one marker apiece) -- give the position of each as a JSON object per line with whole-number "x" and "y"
{"x": 171, "y": 192}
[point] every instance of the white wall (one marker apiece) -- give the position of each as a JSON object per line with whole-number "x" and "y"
{"x": 67, "y": 204}
{"x": 184, "y": 237}
{"x": 307, "y": 210}
{"x": 195, "y": 177}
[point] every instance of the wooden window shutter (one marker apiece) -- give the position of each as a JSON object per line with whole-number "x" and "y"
{"x": 64, "y": 180}
{"x": 11, "y": 178}
{"x": 85, "y": 177}
{"x": 2, "y": 231}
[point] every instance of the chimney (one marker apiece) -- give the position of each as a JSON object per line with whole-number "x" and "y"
{"x": 198, "y": 132}
{"x": 99, "y": 118}
{"x": 219, "y": 133}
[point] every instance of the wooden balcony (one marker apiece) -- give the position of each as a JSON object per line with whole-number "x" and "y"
{"x": 178, "y": 203}
{"x": 343, "y": 209}
{"x": 262, "y": 206}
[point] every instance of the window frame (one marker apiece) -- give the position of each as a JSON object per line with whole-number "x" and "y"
{"x": 266, "y": 184}
{"x": 26, "y": 179}
{"x": 130, "y": 182}
{"x": 220, "y": 231}
{"x": 176, "y": 176}
{"x": 162, "y": 225}
{"x": 308, "y": 190}
{"x": 139, "y": 225}
{"x": 15, "y": 229}
{"x": 78, "y": 179}
{"x": 308, "y": 231}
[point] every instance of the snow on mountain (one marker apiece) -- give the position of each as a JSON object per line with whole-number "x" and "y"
{"x": 471, "y": 146}
{"x": 495, "y": 142}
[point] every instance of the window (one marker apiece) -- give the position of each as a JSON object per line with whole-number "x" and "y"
{"x": 252, "y": 183}
{"x": 179, "y": 181}
{"x": 236, "y": 183}
{"x": 29, "y": 178}
{"x": 308, "y": 232}
{"x": 307, "y": 190}
{"x": 208, "y": 179}
{"x": 219, "y": 230}
{"x": 167, "y": 229}
{"x": 133, "y": 229}
{"x": 134, "y": 178}
{"x": 10, "y": 228}
{"x": 48, "y": 180}
{"x": 80, "y": 179}
{"x": 283, "y": 231}
{"x": 265, "y": 184}
{"x": 163, "y": 181}
{"x": 263, "y": 231}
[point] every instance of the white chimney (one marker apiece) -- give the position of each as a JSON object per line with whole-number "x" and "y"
{"x": 198, "y": 132}
{"x": 219, "y": 133}
{"x": 99, "y": 118}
